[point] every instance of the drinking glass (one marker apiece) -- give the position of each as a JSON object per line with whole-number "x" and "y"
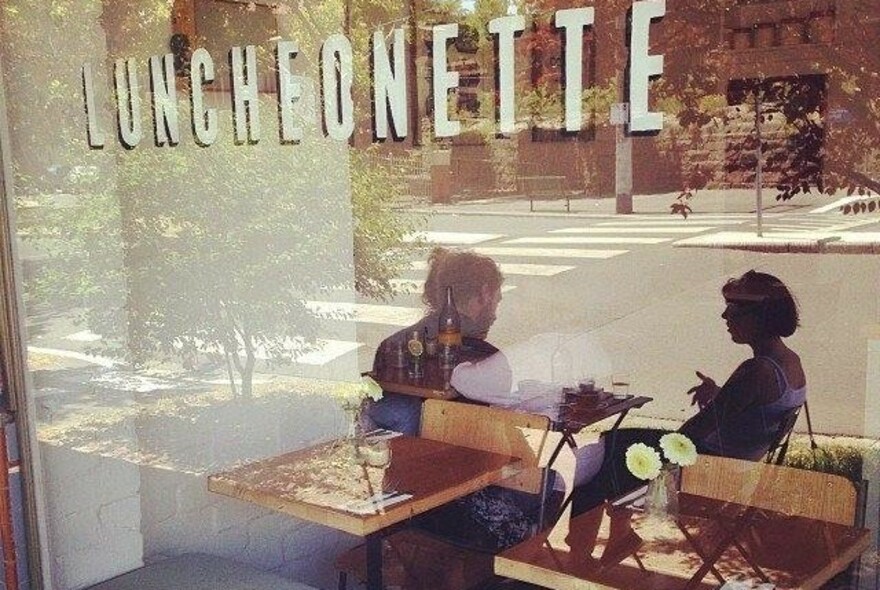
{"x": 620, "y": 385}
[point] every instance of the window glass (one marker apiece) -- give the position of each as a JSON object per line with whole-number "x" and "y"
{"x": 211, "y": 243}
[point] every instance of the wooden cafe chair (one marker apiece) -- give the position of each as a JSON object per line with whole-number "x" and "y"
{"x": 413, "y": 559}
{"x": 491, "y": 429}
{"x": 782, "y": 436}
{"x": 786, "y": 490}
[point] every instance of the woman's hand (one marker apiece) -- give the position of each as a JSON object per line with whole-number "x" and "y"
{"x": 705, "y": 392}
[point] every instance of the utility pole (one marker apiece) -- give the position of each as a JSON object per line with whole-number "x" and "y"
{"x": 622, "y": 140}
{"x": 760, "y": 165}
{"x": 622, "y": 159}
{"x": 412, "y": 81}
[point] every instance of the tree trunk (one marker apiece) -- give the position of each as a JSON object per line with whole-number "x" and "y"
{"x": 247, "y": 374}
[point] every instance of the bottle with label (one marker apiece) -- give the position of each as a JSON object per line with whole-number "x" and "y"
{"x": 416, "y": 350}
{"x": 430, "y": 344}
{"x": 449, "y": 331}
{"x": 397, "y": 355}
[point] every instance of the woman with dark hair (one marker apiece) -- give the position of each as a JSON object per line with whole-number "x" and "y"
{"x": 739, "y": 418}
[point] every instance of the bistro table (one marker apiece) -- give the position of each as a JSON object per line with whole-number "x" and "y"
{"x": 326, "y": 485}
{"x": 622, "y": 547}
{"x": 433, "y": 383}
{"x": 574, "y": 412}
{"x": 578, "y": 411}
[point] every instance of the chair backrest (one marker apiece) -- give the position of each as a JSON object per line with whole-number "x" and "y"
{"x": 787, "y": 490}
{"x": 779, "y": 441}
{"x": 490, "y": 429}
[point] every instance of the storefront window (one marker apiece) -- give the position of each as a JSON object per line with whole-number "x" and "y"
{"x": 223, "y": 207}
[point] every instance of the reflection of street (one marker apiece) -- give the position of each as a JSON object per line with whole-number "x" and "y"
{"x": 654, "y": 308}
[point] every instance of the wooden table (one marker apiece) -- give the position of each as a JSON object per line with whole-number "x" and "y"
{"x": 434, "y": 382}
{"x": 580, "y": 411}
{"x": 323, "y": 484}
{"x": 620, "y": 547}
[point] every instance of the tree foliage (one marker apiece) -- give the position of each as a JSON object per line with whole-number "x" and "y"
{"x": 185, "y": 250}
{"x": 827, "y": 101}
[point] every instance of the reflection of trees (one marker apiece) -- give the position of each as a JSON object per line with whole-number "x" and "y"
{"x": 832, "y": 136}
{"x": 224, "y": 245}
{"x": 169, "y": 251}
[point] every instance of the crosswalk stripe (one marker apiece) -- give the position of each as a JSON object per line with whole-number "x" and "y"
{"x": 84, "y": 336}
{"x": 807, "y": 224}
{"x": 853, "y": 224}
{"x": 782, "y": 227}
{"x": 450, "y": 237}
{"x": 836, "y": 204}
{"x": 534, "y": 270}
{"x": 632, "y": 230}
{"x": 410, "y": 286}
{"x": 671, "y": 222}
{"x": 692, "y": 218}
{"x": 328, "y": 351}
{"x": 79, "y": 356}
{"x": 550, "y": 252}
{"x": 861, "y": 236}
{"x": 390, "y": 315}
{"x": 588, "y": 240}
{"x": 525, "y": 269}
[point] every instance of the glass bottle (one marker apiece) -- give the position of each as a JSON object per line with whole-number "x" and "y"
{"x": 430, "y": 344}
{"x": 416, "y": 349}
{"x": 449, "y": 331}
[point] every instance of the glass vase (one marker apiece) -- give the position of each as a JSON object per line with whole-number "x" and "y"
{"x": 353, "y": 419}
{"x": 661, "y": 499}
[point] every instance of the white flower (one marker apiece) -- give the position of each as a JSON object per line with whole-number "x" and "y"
{"x": 643, "y": 461}
{"x": 370, "y": 388}
{"x": 678, "y": 449}
{"x": 348, "y": 395}
{"x": 352, "y": 395}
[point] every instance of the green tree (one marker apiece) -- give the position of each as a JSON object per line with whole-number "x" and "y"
{"x": 174, "y": 251}
{"x": 824, "y": 105}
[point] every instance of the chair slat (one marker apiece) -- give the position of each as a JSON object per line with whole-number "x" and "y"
{"x": 797, "y": 492}
{"x": 490, "y": 429}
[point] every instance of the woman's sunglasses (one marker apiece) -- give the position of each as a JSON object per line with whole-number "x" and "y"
{"x": 736, "y": 309}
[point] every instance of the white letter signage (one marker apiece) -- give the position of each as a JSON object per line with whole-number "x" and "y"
{"x": 642, "y": 66}
{"x": 164, "y": 84}
{"x": 506, "y": 28}
{"x": 444, "y": 81}
{"x": 245, "y": 106}
{"x": 128, "y": 102}
{"x": 95, "y": 135}
{"x": 573, "y": 20}
{"x": 204, "y": 121}
{"x": 389, "y": 86}
{"x": 289, "y": 91}
{"x": 336, "y": 75}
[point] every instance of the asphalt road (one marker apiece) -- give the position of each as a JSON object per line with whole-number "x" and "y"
{"x": 655, "y": 310}
{"x": 652, "y": 309}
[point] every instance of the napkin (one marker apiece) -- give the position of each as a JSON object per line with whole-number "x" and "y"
{"x": 376, "y": 503}
{"x": 382, "y": 434}
{"x": 636, "y": 498}
{"x": 539, "y": 397}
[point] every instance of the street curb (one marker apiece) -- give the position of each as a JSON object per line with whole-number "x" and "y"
{"x": 694, "y": 218}
{"x": 823, "y": 244}
{"x": 473, "y": 213}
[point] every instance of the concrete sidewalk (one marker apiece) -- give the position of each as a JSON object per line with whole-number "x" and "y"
{"x": 732, "y": 201}
{"x": 732, "y": 204}
{"x": 808, "y": 242}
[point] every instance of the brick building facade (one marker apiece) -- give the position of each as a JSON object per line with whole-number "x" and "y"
{"x": 716, "y": 52}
